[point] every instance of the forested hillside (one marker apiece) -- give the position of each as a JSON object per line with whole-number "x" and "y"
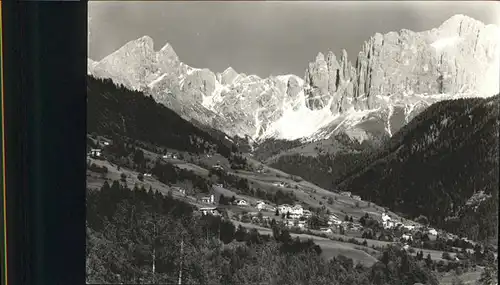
{"x": 141, "y": 237}
{"x": 435, "y": 164}
{"x": 115, "y": 110}
{"x": 323, "y": 161}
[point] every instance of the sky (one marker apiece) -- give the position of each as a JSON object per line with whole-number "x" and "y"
{"x": 263, "y": 37}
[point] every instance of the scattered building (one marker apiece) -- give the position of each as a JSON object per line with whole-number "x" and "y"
{"x": 283, "y": 209}
{"x": 279, "y": 184}
{"x": 297, "y": 210}
{"x": 326, "y": 230}
{"x": 170, "y": 156}
{"x": 95, "y": 152}
{"x": 208, "y": 199}
{"x": 409, "y": 227}
{"x": 356, "y": 197}
{"x": 210, "y": 211}
{"x": 306, "y": 213}
{"x": 241, "y": 202}
{"x": 269, "y": 208}
{"x": 347, "y": 194}
{"x": 147, "y": 175}
{"x": 432, "y": 231}
{"x": 406, "y": 237}
{"x": 217, "y": 166}
{"x": 387, "y": 221}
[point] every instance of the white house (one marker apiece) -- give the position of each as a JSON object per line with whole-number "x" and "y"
{"x": 406, "y": 237}
{"x": 279, "y": 184}
{"x": 297, "y": 210}
{"x": 241, "y": 202}
{"x": 95, "y": 152}
{"x": 347, "y": 194}
{"x": 208, "y": 199}
{"x": 406, "y": 247}
{"x": 387, "y": 221}
{"x": 356, "y": 197}
{"x": 409, "y": 227}
{"x": 433, "y": 232}
{"x": 210, "y": 211}
{"x": 283, "y": 209}
{"x": 326, "y": 230}
{"x": 170, "y": 155}
{"x": 260, "y": 205}
{"x": 306, "y": 213}
{"x": 269, "y": 208}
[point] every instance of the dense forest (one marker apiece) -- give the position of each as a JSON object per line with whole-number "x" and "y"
{"x": 435, "y": 164}
{"x": 333, "y": 158}
{"x": 141, "y": 236}
{"x": 320, "y": 170}
{"x": 114, "y": 110}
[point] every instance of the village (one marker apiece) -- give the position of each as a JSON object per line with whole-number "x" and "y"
{"x": 337, "y": 223}
{"x": 298, "y": 219}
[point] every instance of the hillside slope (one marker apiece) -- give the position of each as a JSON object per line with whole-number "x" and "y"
{"x": 437, "y": 166}
{"x": 115, "y": 110}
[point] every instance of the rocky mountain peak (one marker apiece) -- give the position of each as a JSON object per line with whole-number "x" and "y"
{"x": 395, "y": 74}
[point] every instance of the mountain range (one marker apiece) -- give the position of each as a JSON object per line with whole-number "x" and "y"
{"x": 394, "y": 77}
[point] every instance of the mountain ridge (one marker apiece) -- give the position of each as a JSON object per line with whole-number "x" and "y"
{"x": 395, "y": 76}
{"x": 435, "y": 164}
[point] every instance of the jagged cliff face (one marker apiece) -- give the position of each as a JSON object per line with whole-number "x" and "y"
{"x": 392, "y": 79}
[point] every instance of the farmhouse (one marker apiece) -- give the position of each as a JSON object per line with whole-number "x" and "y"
{"x": 307, "y": 213}
{"x": 96, "y": 152}
{"x": 326, "y": 230}
{"x": 283, "y": 209}
{"x": 406, "y": 237}
{"x": 386, "y": 221}
{"x": 279, "y": 184}
{"x": 208, "y": 199}
{"x": 210, "y": 211}
{"x": 347, "y": 194}
{"x": 356, "y": 197}
{"x": 241, "y": 202}
{"x": 297, "y": 210}
{"x": 433, "y": 232}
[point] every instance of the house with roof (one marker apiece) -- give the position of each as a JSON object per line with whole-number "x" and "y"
{"x": 346, "y": 193}
{"x": 297, "y": 210}
{"x": 326, "y": 230}
{"x": 283, "y": 209}
{"x": 306, "y": 213}
{"x": 95, "y": 152}
{"x": 432, "y": 231}
{"x": 208, "y": 199}
{"x": 241, "y": 202}
{"x": 387, "y": 221}
{"x": 217, "y": 166}
{"x": 406, "y": 237}
{"x": 356, "y": 197}
{"x": 214, "y": 211}
{"x": 279, "y": 184}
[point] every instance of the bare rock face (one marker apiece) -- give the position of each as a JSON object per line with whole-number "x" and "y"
{"x": 393, "y": 78}
{"x": 293, "y": 87}
{"x": 132, "y": 65}
{"x": 228, "y": 76}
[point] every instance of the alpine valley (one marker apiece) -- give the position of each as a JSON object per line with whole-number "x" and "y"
{"x": 349, "y": 174}
{"x": 334, "y": 125}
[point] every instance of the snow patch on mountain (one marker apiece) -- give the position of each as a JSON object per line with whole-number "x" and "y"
{"x": 445, "y": 42}
{"x": 397, "y": 74}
